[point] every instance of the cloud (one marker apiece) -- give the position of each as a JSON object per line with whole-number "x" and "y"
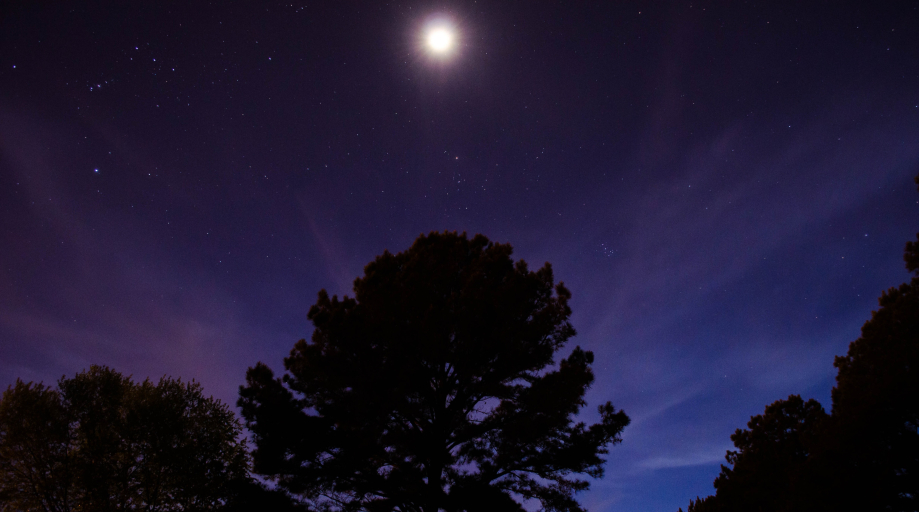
{"x": 698, "y": 458}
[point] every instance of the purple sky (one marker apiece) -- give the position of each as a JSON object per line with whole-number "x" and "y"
{"x": 725, "y": 188}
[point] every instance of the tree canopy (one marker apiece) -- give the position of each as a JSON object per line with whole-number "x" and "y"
{"x": 771, "y": 454}
{"x": 100, "y": 442}
{"x": 434, "y": 388}
{"x": 865, "y": 454}
{"x": 875, "y": 435}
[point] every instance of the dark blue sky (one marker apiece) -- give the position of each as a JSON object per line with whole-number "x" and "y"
{"x": 726, "y": 188}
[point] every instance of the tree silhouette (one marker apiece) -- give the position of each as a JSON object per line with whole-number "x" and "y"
{"x": 706, "y": 504}
{"x": 875, "y": 433}
{"x": 248, "y": 495}
{"x": 101, "y": 442}
{"x": 434, "y": 388}
{"x": 865, "y": 454}
{"x": 769, "y": 458}
{"x": 36, "y": 470}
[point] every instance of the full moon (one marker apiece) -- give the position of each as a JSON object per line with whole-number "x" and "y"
{"x": 440, "y": 40}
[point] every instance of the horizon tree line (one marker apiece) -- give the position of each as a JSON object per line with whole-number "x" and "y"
{"x": 440, "y": 386}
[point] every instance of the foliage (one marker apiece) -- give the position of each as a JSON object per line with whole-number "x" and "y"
{"x": 706, "y": 504}
{"x": 876, "y": 402}
{"x": 101, "y": 442}
{"x": 433, "y": 388}
{"x": 248, "y": 495}
{"x": 865, "y": 455}
{"x": 769, "y": 459}
{"x": 36, "y": 467}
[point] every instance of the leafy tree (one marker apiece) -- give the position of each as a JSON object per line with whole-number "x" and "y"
{"x": 706, "y": 504}
{"x": 865, "y": 455}
{"x": 434, "y": 388}
{"x": 36, "y": 470}
{"x": 248, "y": 495}
{"x": 769, "y": 458}
{"x": 100, "y": 442}
{"x": 875, "y": 433}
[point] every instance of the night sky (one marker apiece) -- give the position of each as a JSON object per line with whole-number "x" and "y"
{"x": 726, "y": 188}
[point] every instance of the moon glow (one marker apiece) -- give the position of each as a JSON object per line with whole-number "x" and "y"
{"x": 440, "y": 40}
